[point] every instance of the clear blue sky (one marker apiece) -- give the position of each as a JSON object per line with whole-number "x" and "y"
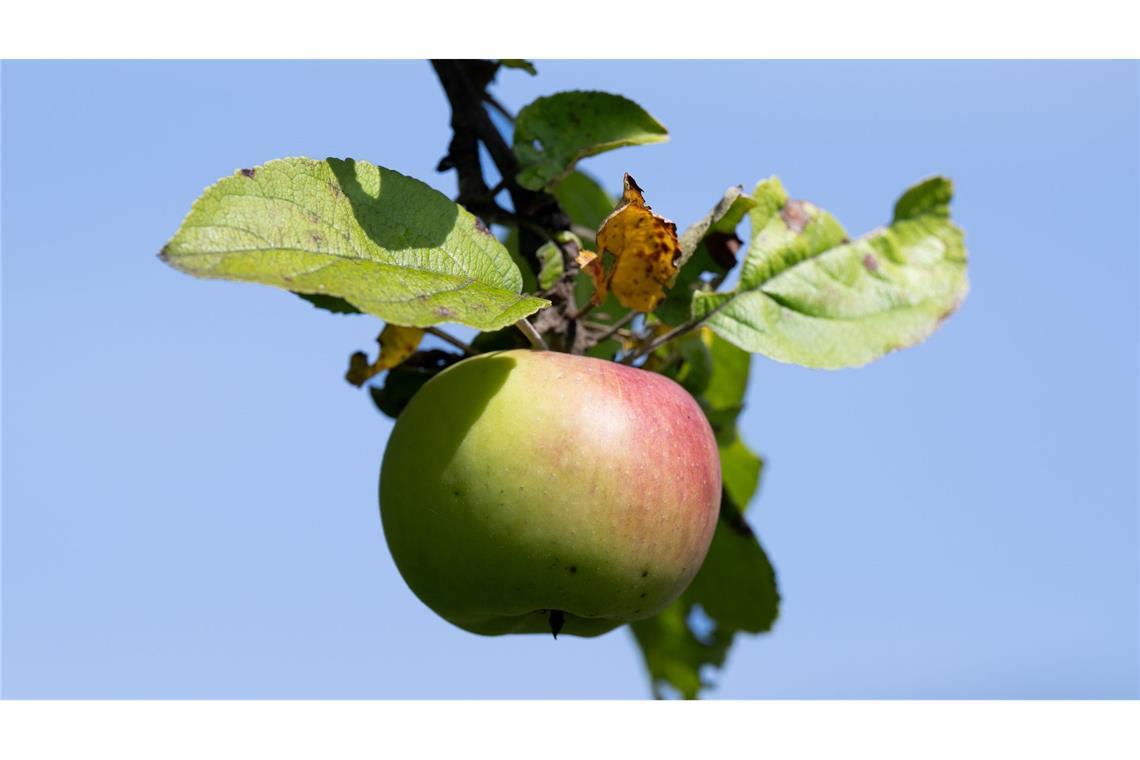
{"x": 189, "y": 503}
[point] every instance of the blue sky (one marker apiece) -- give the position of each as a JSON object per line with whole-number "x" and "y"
{"x": 189, "y": 502}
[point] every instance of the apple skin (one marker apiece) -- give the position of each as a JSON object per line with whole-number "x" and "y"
{"x": 518, "y": 483}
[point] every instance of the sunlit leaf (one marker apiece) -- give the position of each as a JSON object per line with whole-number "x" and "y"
{"x": 555, "y": 132}
{"x": 808, "y": 296}
{"x": 388, "y": 244}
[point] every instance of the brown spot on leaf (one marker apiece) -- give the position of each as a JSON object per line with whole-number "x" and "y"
{"x": 796, "y": 215}
{"x": 871, "y": 263}
{"x": 444, "y": 312}
{"x": 722, "y": 248}
{"x": 482, "y": 226}
{"x": 248, "y": 173}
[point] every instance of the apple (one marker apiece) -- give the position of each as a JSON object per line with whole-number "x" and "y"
{"x": 532, "y": 491}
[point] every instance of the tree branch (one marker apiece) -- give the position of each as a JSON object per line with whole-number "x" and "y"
{"x": 537, "y": 214}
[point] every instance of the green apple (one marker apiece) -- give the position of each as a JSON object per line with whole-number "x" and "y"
{"x": 531, "y": 491}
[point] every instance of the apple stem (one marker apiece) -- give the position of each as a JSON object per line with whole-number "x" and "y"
{"x": 531, "y": 334}
{"x": 557, "y": 620}
{"x": 464, "y": 347}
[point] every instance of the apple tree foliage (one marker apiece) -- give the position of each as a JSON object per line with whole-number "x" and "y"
{"x": 354, "y": 237}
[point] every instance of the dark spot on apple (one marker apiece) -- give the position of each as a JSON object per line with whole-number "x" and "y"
{"x": 573, "y": 569}
{"x": 456, "y": 493}
{"x": 644, "y": 573}
{"x": 642, "y": 595}
{"x": 637, "y": 611}
{"x": 248, "y": 173}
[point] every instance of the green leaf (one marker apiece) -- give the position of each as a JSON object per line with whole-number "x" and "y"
{"x": 403, "y": 381}
{"x": 518, "y": 63}
{"x": 674, "y": 654}
{"x": 552, "y": 265}
{"x": 388, "y": 244}
{"x": 511, "y": 243}
{"x": 740, "y": 469}
{"x": 584, "y": 200}
{"x": 330, "y": 303}
{"x": 685, "y": 360}
{"x": 707, "y": 247}
{"x": 736, "y": 585}
{"x": 553, "y": 133}
{"x": 808, "y": 296}
{"x": 723, "y": 398}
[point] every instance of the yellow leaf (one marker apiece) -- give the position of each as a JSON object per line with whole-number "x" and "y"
{"x": 645, "y": 250}
{"x": 397, "y": 343}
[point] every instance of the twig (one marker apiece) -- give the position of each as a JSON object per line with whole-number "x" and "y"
{"x": 676, "y": 332}
{"x": 617, "y": 326}
{"x": 583, "y": 311}
{"x": 531, "y": 334}
{"x": 498, "y": 106}
{"x": 464, "y": 347}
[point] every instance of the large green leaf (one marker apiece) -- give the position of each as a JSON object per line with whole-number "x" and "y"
{"x": 808, "y": 296}
{"x": 553, "y": 133}
{"x": 388, "y": 244}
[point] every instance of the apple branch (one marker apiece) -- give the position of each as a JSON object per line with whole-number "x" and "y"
{"x": 537, "y": 215}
